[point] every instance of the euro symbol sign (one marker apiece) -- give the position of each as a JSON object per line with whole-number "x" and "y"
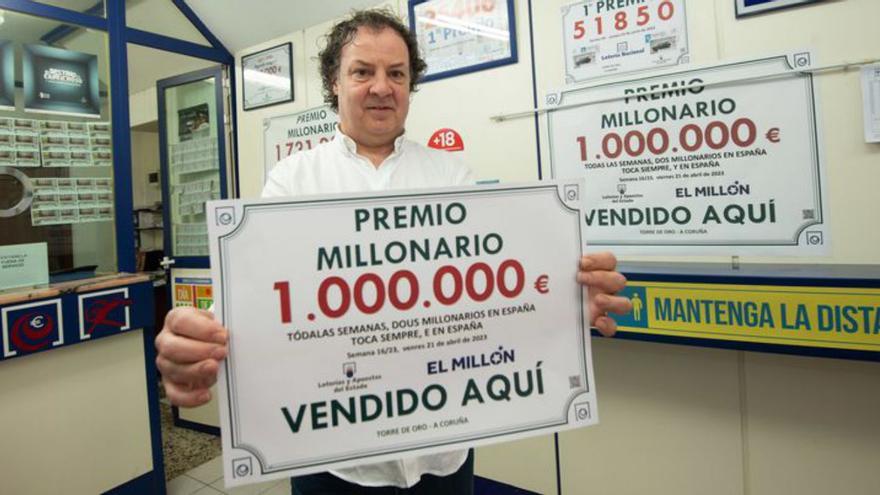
{"x": 541, "y": 284}
{"x": 773, "y": 135}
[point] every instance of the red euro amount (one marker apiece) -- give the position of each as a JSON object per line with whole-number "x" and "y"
{"x": 369, "y": 292}
{"x": 691, "y": 137}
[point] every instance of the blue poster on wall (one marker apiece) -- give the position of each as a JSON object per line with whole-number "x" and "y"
{"x": 7, "y": 76}
{"x": 59, "y": 81}
{"x": 749, "y": 7}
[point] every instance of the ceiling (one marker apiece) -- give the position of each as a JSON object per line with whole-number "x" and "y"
{"x": 28, "y": 29}
{"x": 239, "y": 25}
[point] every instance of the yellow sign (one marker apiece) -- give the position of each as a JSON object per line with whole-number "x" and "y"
{"x": 828, "y": 317}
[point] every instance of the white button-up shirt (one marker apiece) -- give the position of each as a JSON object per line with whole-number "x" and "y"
{"x": 335, "y": 167}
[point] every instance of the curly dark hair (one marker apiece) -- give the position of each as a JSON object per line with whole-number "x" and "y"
{"x": 342, "y": 33}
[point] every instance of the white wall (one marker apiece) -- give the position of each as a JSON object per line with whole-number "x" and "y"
{"x": 674, "y": 419}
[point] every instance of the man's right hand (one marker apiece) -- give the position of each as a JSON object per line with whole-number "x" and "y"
{"x": 190, "y": 348}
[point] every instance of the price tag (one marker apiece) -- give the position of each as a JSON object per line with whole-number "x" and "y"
{"x": 370, "y": 328}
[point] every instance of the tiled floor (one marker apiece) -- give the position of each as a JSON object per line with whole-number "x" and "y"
{"x": 207, "y": 479}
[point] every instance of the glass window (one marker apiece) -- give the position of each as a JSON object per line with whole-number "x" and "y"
{"x": 56, "y": 174}
{"x": 162, "y": 17}
{"x": 146, "y": 67}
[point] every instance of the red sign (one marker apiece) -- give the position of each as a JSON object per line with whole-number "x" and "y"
{"x": 446, "y": 139}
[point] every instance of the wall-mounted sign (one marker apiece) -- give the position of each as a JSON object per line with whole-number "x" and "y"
{"x": 688, "y": 162}
{"x": 286, "y": 134}
{"x": 446, "y": 139}
{"x": 778, "y": 315}
{"x": 750, "y": 7}
{"x": 7, "y": 76}
{"x": 459, "y": 37}
{"x": 59, "y": 81}
{"x": 603, "y": 38}
{"x": 267, "y": 77}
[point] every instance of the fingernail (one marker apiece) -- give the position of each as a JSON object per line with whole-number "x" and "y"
{"x": 219, "y": 338}
{"x": 205, "y": 396}
{"x": 586, "y": 262}
{"x": 219, "y": 353}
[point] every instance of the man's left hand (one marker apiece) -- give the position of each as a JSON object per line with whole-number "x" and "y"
{"x": 598, "y": 273}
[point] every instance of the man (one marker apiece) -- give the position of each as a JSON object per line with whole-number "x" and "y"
{"x": 369, "y": 68}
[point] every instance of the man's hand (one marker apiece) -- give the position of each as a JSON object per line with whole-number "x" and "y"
{"x": 190, "y": 348}
{"x": 597, "y": 272}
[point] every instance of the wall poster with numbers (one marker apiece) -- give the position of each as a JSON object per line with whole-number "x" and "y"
{"x": 720, "y": 160}
{"x": 603, "y": 37}
{"x": 284, "y": 135}
{"x": 457, "y": 37}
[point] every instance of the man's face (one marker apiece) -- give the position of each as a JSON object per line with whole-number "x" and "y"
{"x": 373, "y": 87}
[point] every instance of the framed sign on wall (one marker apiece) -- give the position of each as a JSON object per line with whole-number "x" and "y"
{"x": 267, "y": 77}
{"x": 601, "y": 39}
{"x": 460, "y": 37}
{"x": 751, "y": 7}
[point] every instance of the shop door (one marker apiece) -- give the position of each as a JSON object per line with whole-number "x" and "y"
{"x": 194, "y": 166}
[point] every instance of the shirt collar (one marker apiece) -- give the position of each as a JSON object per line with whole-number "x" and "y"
{"x": 350, "y": 146}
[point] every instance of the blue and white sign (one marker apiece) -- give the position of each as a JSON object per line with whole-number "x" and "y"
{"x": 32, "y": 327}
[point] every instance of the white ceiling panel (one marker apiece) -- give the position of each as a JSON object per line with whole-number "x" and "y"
{"x": 241, "y": 24}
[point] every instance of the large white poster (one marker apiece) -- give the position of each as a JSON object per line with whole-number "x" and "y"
{"x": 719, "y": 160}
{"x": 371, "y": 327}
{"x": 604, "y": 37}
